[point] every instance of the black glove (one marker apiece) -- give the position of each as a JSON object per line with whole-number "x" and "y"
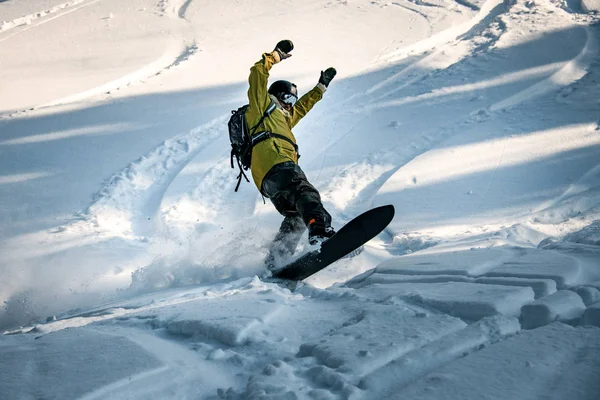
{"x": 283, "y": 48}
{"x": 327, "y": 76}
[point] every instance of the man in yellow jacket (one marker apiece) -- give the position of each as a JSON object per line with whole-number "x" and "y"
{"x": 274, "y": 164}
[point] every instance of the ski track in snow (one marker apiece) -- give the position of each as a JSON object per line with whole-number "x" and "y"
{"x": 178, "y": 50}
{"x": 555, "y": 76}
{"x": 411, "y": 75}
{"x": 145, "y": 181}
{"x": 31, "y": 20}
{"x": 174, "y": 9}
{"x": 572, "y": 71}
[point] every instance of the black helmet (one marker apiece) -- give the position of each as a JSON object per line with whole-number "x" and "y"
{"x": 279, "y": 88}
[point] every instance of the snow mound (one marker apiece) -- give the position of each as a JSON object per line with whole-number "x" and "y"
{"x": 541, "y": 287}
{"x": 371, "y": 277}
{"x": 540, "y": 264}
{"x": 471, "y": 301}
{"x": 590, "y": 5}
{"x": 588, "y": 235}
{"x": 592, "y": 315}
{"x": 589, "y": 295}
{"x": 564, "y": 306}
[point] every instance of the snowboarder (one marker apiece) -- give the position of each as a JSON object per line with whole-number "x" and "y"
{"x": 274, "y": 164}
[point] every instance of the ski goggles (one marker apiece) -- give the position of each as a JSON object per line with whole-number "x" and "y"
{"x": 288, "y": 98}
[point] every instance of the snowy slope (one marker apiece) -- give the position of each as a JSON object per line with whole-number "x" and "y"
{"x": 129, "y": 267}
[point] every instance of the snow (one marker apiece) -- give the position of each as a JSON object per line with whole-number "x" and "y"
{"x": 427, "y": 358}
{"x": 130, "y": 268}
{"x": 589, "y": 295}
{"x": 564, "y": 270}
{"x": 592, "y": 315}
{"x": 554, "y": 362}
{"x": 590, "y": 5}
{"x": 470, "y": 301}
{"x": 541, "y": 287}
{"x": 564, "y": 306}
{"x": 375, "y": 335}
{"x": 465, "y": 262}
{"x": 90, "y": 359}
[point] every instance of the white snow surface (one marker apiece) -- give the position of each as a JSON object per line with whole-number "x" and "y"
{"x": 129, "y": 269}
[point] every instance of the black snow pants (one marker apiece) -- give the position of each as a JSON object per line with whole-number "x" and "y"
{"x": 297, "y": 200}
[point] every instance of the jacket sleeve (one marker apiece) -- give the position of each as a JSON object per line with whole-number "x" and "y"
{"x": 258, "y": 96}
{"x": 306, "y": 103}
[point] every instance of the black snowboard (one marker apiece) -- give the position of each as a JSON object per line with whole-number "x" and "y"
{"x": 350, "y": 237}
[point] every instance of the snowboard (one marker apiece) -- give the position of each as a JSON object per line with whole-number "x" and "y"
{"x": 349, "y": 238}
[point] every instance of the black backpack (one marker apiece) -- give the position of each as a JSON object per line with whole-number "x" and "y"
{"x": 241, "y": 139}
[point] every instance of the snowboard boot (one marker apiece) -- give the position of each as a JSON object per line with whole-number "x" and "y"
{"x": 318, "y": 232}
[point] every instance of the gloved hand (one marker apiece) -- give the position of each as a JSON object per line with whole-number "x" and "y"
{"x": 283, "y": 48}
{"x": 327, "y": 76}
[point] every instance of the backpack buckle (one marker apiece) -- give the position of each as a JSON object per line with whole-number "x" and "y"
{"x": 259, "y": 137}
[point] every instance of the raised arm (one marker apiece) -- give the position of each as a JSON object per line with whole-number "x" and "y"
{"x": 306, "y": 102}
{"x": 258, "y": 96}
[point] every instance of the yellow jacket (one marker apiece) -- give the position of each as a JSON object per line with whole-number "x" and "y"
{"x": 273, "y": 151}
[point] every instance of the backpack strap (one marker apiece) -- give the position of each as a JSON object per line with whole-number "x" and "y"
{"x": 268, "y": 111}
{"x": 241, "y": 174}
{"x": 262, "y": 136}
{"x": 272, "y": 106}
{"x": 256, "y": 139}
